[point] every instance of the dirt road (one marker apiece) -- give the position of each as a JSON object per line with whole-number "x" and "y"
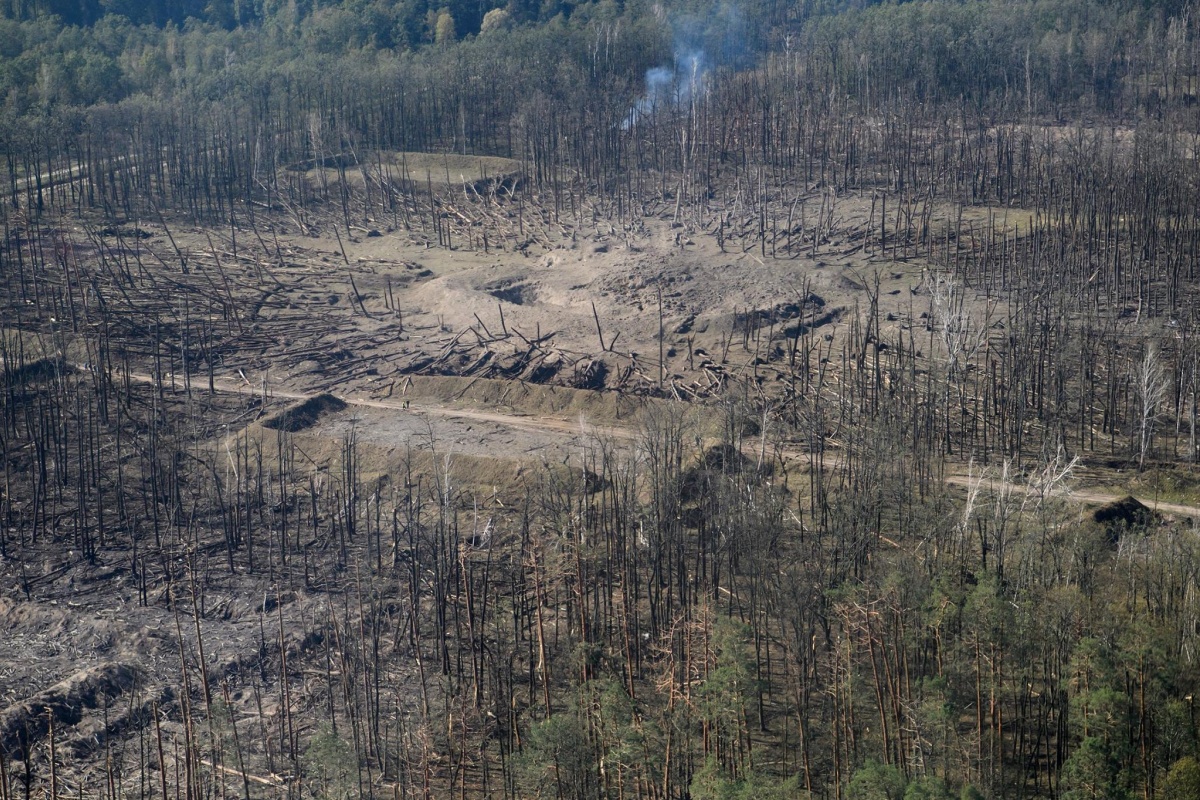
{"x": 545, "y": 429}
{"x": 1083, "y": 496}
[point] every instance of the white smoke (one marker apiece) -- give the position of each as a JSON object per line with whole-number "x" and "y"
{"x": 669, "y": 87}
{"x": 717, "y": 36}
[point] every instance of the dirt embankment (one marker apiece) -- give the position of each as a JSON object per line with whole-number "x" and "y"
{"x": 63, "y": 705}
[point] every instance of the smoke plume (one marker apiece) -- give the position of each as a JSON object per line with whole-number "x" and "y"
{"x": 701, "y": 43}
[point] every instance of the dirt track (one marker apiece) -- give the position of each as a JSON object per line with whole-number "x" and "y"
{"x": 542, "y": 431}
{"x": 1083, "y": 496}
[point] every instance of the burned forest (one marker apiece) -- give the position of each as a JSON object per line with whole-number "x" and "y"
{"x": 599, "y": 400}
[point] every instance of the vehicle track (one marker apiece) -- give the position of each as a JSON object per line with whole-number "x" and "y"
{"x": 544, "y": 424}
{"x": 1083, "y": 496}
{"x": 418, "y": 407}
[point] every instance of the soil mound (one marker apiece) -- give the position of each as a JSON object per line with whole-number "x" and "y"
{"x": 725, "y": 458}
{"x": 35, "y": 371}
{"x": 1127, "y": 512}
{"x": 306, "y": 414}
{"x": 27, "y": 722}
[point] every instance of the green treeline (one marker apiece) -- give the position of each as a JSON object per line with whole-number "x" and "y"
{"x": 303, "y": 85}
{"x": 1041, "y": 55}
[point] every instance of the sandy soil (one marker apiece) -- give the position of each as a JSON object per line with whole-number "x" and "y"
{"x": 551, "y": 290}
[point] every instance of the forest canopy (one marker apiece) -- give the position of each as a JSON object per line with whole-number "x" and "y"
{"x": 1001, "y": 53}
